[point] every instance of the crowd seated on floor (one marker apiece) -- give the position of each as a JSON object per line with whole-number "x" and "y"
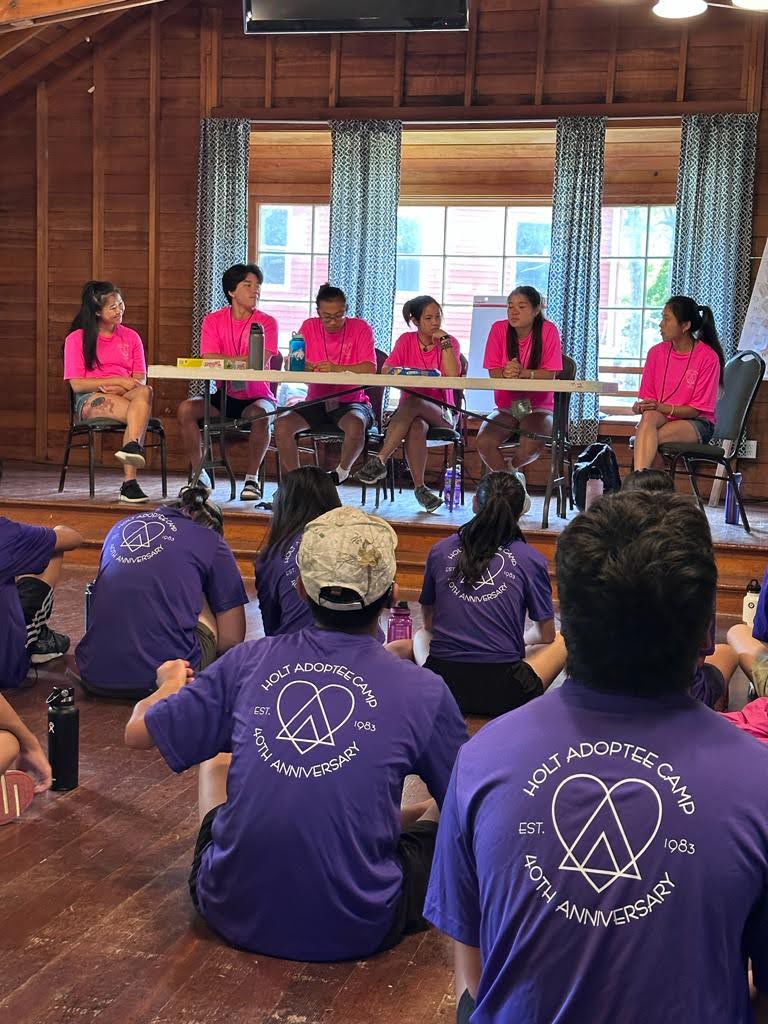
{"x": 565, "y": 850}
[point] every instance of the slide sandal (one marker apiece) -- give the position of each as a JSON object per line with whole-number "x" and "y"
{"x": 17, "y": 790}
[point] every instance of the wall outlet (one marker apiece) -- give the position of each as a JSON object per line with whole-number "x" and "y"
{"x": 749, "y": 450}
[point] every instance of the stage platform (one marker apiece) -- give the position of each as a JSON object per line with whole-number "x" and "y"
{"x": 29, "y": 494}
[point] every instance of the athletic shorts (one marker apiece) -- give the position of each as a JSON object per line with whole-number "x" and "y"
{"x": 709, "y": 687}
{"x": 488, "y": 688}
{"x": 236, "y": 406}
{"x": 415, "y": 851}
{"x": 319, "y": 418}
{"x": 36, "y": 597}
{"x": 207, "y": 642}
{"x": 704, "y": 428}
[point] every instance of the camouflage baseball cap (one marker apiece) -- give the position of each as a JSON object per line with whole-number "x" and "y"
{"x": 346, "y": 549}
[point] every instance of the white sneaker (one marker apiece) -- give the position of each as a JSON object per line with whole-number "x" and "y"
{"x": 527, "y": 499}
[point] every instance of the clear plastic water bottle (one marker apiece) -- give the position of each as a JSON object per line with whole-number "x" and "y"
{"x": 448, "y": 485}
{"x": 457, "y": 487}
{"x": 63, "y": 737}
{"x": 594, "y": 489}
{"x": 400, "y": 625}
{"x": 751, "y": 597}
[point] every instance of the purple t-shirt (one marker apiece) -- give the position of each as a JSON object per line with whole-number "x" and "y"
{"x": 156, "y": 568}
{"x": 760, "y": 626}
{"x": 23, "y": 549}
{"x": 485, "y": 621}
{"x": 323, "y": 728}
{"x": 594, "y": 850}
{"x": 282, "y": 608}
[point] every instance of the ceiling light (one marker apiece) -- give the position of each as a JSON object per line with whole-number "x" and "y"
{"x": 681, "y": 8}
{"x": 751, "y": 5}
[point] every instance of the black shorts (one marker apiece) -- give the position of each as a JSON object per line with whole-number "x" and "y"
{"x": 236, "y": 406}
{"x": 36, "y": 597}
{"x": 488, "y": 688}
{"x": 415, "y": 852}
{"x": 319, "y": 418}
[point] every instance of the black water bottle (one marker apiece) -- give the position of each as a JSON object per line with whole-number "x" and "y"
{"x": 63, "y": 737}
{"x": 88, "y": 598}
{"x": 256, "y": 347}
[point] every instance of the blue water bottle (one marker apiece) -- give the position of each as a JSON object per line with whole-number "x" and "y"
{"x": 297, "y": 354}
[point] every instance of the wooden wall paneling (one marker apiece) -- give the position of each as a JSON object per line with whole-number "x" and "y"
{"x": 434, "y": 71}
{"x": 269, "y": 71}
{"x": 153, "y": 197}
{"x": 366, "y": 71}
{"x": 242, "y": 62}
{"x": 41, "y": 276}
{"x": 10, "y": 41}
{"x": 302, "y": 69}
{"x": 334, "y": 74}
{"x": 210, "y": 59}
{"x": 682, "y": 63}
{"x": 471, "y": 60}
{"x": 756, "y": 64}
{"x": 98, "y": 135}
{"x": 647, "y": 58}
{"x": 290, "y": 166}
{"x": 610, "y": 84}
{"x": 398, "y": 74}
{"x": 717, "y": 51}
{"x": 577, "y": 53}
{"x": 541, "y": 51}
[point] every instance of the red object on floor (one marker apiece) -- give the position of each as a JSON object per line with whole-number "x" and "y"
{"x": 17, "y": 790}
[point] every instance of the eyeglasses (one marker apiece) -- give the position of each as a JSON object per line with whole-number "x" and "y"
{"x": 329, "y": 318}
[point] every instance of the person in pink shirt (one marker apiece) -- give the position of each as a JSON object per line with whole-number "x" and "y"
{"x": 106, "y": 369}
{"x": 333, "y": 341}
{"x": 681, "y": 378}
{"x": 524, "y": 346}
{"x": 225, "y": 334}
{"x": 429, "y": 347}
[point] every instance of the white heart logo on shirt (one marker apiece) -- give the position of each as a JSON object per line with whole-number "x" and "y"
{"x": 310, "y": 716}
{"x": 601, "y": 842}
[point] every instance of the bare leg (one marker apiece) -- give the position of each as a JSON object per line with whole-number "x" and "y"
{"x": 52, "y": 572}
{"x": 530, "y": 448}
{"x": 286, "y": 428}
{"x": 139, "y": 410}
{"x": 208, "y": 619}
{"x": 425, "y": 811}
{"x": 134, "y": 412}
{"x": 421, "y": 642}
{"x": 189, "y": 413}
{"x": 212, "y": 783}
{"x": 401, "y": 649}
{"x": 399, "y": 426}
{"x": 746, "y": 647}
{"x": 353, "y": 425}
{"x": 9, "y": 750}
{"x": 495, "y": 431}
{"x": 725, "y": 659}
{"x": 258, "y": 442}
{"x": 548, "y": 660}
{"x": 653, "y": 429}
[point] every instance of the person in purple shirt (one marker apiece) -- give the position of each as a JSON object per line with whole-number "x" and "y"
{"x": 303, "y": 850}
{"x": 168, "y": 587}
{"x": 303, "y": 495}
{"x": 479, "y": 585}
{"x": 31, "y": 560}
{"x": 717, "y": 662}
{"x": 594, "y": 862}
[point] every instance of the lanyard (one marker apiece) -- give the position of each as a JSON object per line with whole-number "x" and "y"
{"x": 342, "y": 343}
{"x": 236, "y": 347}
{"x": 666, "y": 398}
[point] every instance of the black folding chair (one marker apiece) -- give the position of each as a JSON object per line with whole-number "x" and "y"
{"x": 741, "y": 381}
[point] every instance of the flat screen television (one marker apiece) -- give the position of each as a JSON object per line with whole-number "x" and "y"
{"x": 263, "y": 17}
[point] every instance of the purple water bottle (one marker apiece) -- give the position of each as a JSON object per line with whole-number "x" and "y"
{"x": 457, "y": 487}
{"x": 731, "y": 507}
{"x": 448, "y": 485}
{"x": 400, "y": 626}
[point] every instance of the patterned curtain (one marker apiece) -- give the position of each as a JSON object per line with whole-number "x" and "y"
{"x": 222, "y": 213}
{"x": 713, "y": 227}
{"x": 365, "y": 189}
{"x": 574, "y": 269}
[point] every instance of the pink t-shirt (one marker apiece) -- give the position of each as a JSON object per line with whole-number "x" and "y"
{"x": 120, "y": 354}
{"x": 408, "y": 352}
{"x": 682, "y": 378}
{"x": 222, "y": 334}
{"x": 551, "y": 359}
{"x": 352, "y": 344}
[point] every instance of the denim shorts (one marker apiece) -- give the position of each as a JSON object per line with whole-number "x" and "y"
{"x": 80, "y": 399}
{"x": 704, "y": 428}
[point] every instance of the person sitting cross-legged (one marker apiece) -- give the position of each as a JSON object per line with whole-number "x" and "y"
{"x": 305, "y": 742}
{"x": 595, "y": 862}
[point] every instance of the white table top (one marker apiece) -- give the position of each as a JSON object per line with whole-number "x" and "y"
{"x": 365, "y": 380}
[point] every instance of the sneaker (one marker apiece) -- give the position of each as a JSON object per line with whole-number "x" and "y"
{"x": 132, "y": 454}
{"x": 428, "y": 499}
{"x": 527, "y": 499}
{"x": 373, "y": 470}
{"x": 251, "y": 491}
{"x": 132, "y": 493}
{"x": 16, "y": 792}
{"x": 49, "y": 645}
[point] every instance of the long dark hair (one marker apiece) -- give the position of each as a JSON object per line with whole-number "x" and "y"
{"x": 513, "y": 342}
{"x": 414, "y": 308}
{"x": 92, "y": 300}
{"x": 702, "y": 321}
{"x": 303, "y": 495}
{"x": 500, "y": 498}
{"x": 195, "y": 503}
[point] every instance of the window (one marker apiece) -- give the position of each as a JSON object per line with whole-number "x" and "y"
{"x": 635, "y": 268}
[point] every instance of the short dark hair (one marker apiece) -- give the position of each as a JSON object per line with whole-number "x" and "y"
{"x": 329, "y": 293}
{"x": 233, "y": 276}
{"x": 636, "y": 577}
{"x": 648, "y": 480}
{"x": 349, "y": 621}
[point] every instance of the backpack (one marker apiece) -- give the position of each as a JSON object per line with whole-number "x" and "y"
{"x": 596, "y": 459}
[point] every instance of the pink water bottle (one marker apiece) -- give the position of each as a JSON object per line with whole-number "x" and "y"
{"x": 400, "y": 626}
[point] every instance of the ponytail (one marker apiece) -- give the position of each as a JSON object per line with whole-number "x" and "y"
{"x": 500, "y": 498}
{"x": 87, "y": 317}
{"x": 702, "y": 321}
{"x": 414, "y": 308}
{"x": 537, "y": 331}
{"x": 194, "y": 502}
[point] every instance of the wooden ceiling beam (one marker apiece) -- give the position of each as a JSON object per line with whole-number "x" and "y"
{"x": 31, "y": 10}
{"x": 105, "y": 8}
{"x": 10, "y": 41}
